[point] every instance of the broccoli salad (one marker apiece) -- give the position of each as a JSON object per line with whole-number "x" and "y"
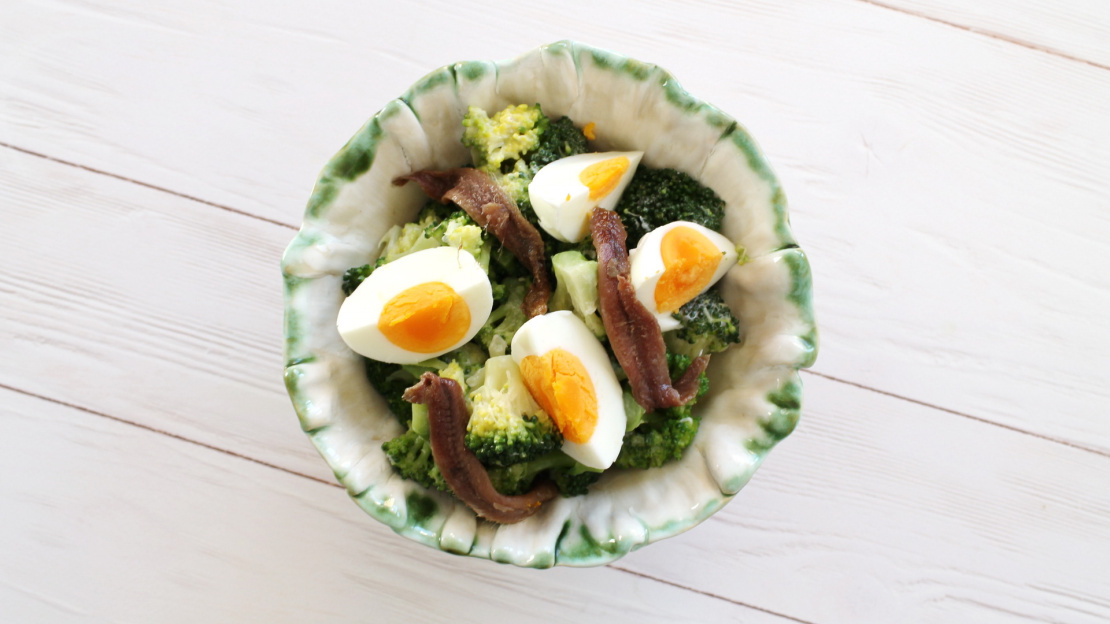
{"x": 547, "y": 316}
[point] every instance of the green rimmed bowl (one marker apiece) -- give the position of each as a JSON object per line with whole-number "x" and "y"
{"x": 755, "y": 394}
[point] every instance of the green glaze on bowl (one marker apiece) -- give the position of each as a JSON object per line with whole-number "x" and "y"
{"x": 755, "y": 397}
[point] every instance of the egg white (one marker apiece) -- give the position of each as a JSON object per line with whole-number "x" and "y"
{"x": 562, "y": 203}
{"x": 564, "y": 330}
{"x": 358, "y": 316}
{"x": 646, "y": 266}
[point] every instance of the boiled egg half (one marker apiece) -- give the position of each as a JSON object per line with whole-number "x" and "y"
{"x": 417, "y": 307}
{"x": 568, "y": 373}
{"x": 674, "y": 263}
{"x": 566, "y": 191}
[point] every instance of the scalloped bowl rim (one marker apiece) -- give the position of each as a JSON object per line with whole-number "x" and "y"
{"x": 755, "y": 399}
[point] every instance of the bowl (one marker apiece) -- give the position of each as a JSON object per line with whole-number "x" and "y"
{"x": 755, "y": 394}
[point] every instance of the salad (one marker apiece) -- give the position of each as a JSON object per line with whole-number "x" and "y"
{"x": 547, "y": 316}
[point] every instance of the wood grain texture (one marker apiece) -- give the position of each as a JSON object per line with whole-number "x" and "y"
{"x": 151, "y": 308}
{"x": 879, "y": 510}
{"x": 1079, "y": 29}
{"x": 874, "y": 507}
{"x": 949, "y": 188}
{"x": 112, "y": 523}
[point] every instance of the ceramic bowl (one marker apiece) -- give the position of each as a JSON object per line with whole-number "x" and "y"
{"x": 755, "y": 393}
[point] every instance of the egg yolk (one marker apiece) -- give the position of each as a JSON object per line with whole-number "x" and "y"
{"x": 426, "y": 318}
{"x": 689, "y": 262}
{"x": 562, "y": 387}
{"x": 602, "y": 177}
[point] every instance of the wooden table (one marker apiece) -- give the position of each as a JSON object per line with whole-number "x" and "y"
{"x": 948, "y": 169}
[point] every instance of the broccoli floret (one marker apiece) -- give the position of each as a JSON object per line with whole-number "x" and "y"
{"x": 708, "y": 326}
{"x": 460, "y": 231}
{"x": 503, "y": 265}
{"x": 574, "y": 481}
{"x": 559, "y": 140}
{"x": 656, "y": 441}
{"x": 571, "y": 477}
{"x": 498, "y": 144}
{"x": 401, "y": 240}
{"x": 663, "y": 435}
{"x": 355, "y": 276}
{"x": 576, "y": 288}
{"x": 506, "y": 425}
{"x": 411, "y": 453}
{"x": 657, "y": 197}
{"x": 391, "y": 381}
{"x": 506, "y": 318}
{"x": 435, "y": 226}
{"x": 515, "y": 143}
{"x": 464, "y": 365}
{"x": 411, "y": 456}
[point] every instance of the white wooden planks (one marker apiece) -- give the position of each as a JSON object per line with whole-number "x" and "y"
{"x": 879, "y": 510}
{"x": 147, "y": 307}
{"x": 949, "y": 187}
{"x": 1079, "y": 29}
{"x": 873, "y": 507}
{"x": 112, "y": 523}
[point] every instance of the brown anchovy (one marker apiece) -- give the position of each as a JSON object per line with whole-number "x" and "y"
{"x": 633, "y": 331}
{"x": 461, "y": 469}
{"x": 477, "y": 193}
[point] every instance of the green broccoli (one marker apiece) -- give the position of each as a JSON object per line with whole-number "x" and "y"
{"x": 391, "y": 381}
{"x": 506, "y": 425}
{"x": 515, "y": 143}
{"x": 708, "y": 326}
{"x": 498, "y": 144}
{"x": 503, "y": 265}
{"x": 656, "y": 197}
{"x": 576, "y": 288}
{"x": 355, "y": 276}
{"x": 571, "y": 477}
{"x": 506, "y": 318}
{"x": 401, "y": 240}
{"x": 559, "y": 140}
{"x": 435, "y": 226}
{"x": 663, "y": 435}
{"x": 460, "y": 231}
{"x": 656, "y": 441}
{"x": 411, "y": 456}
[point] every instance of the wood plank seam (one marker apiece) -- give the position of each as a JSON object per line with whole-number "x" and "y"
{"x": 291, "y": 227}
{"x": 230, "y": 453}
{"x": 124, "y": 421}
{"x": 987, "y": 33}
{"x": 958, "y": 413}
{"x": 710, "y": 594}
{"x": 152, "y": 187}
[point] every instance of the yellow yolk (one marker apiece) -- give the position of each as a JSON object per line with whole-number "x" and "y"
{"x": 560, "y": 384}
{"x": 588, "y": 131}
{"x": 602, "y": 177}
{"x": 426, "y": 318}
{"x": 689, "y": 263}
